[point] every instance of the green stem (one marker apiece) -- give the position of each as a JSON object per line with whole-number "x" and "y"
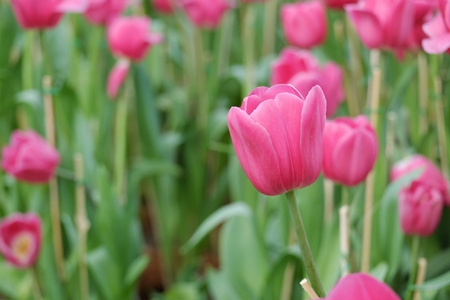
{"x": 120, "y": 135}
{"x": 36, "y": 286}
{"x": 415, "y": 248}
{"x": 248, "y": 39}
{"x": 308, "y": 258}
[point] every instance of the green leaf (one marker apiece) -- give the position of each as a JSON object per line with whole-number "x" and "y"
{"x": 437, "y": 283}
{"x": 135, "y": 270}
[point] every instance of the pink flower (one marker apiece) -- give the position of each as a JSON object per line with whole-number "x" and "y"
{"x": 206, "y": 13}
{"x": 32, "y": 14}
{"x": 277, "y": 136}
{"x": 29, "y": 157}
{"x": 383, "y": 23}
{"x": 350, "y": 149}
{"x": 339, "y": 4}
{"x": 164, "y": 6}
{"x": 130, "y": 37}
{"x": 250, "y": 1}
{"x": 304, "y": 23}
{"x": 102, "y": 12}
{"x": 420, "y": 208}
{"x": 116, "y": 78}
{"x": 360, "y": 286}
{"x": 438, "y": 31}
{"x": 430, "y": 176}
{"x": 300, "y": 68}
{"x": 423, "y": 12}
{"x": 20, "y": 239}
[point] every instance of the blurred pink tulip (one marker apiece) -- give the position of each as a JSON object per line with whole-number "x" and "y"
{"x": 102, "y": 12}
{"x": 438, "y": 31}
{"x": 250, "y": 1}
{"x": 130, "y": 37}
{"x": 20, "y": 239}
{"x": 164, "y": 6}
{"x": 420, "y": 208}
{"x": 300, "y": 68}
{"x": 206, "y": 13}
{"x": 423, "y": 12}
{"x": 360, "y": 286}
{"x": 277, "y": 136}
{"x": 350, "y": 149}
{"x": 339, "y": 4}
{"x": 430, "y": 176}
{"x": 32, "y": 14}
{"x": 383, "y": 23}
{"x": 29, "y": 158}
{"x": 117, "y": 77}
{"x": 304, "y": 23}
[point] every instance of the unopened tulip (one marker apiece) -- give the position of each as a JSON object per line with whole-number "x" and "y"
{"x": 116, "y": 78}
{"x": 29, "y": 158}
{"x": 32, "y": 14}
{"x": 430, "y": 175}
{"x": 102, "y": 12}
{"x": 277, "y": 136}
{"x": 165, "y": 6}
{"x": 420, "y": 208}
{"x": 339, "y": 4}
{"x": 360, "y": 286}
{"x": 130, "y": 37}
{"x": 300, "y": 68}
{"x": 304, "y": 23}
{"x": 438, "y": 31}
{"x": 383, "y": 23}
{"x": 20, "y": 239}
{"x": 350, "y": 149}
{"x": 206, "y": 13}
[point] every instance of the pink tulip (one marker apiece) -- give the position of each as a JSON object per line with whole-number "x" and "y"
{"x": 438, "y": 31}
{"x": 430, "y": 175}
{"x": 250, "y": 1}
{"x": 32, "y": 14}
{"x": 130, "y": 37}
{"x": 304, "y": 23}
{"x": 20, "y": 239}
{"x": 29, "y": 157}
{"x": 339, "y": 4}
{"x": 300, "y": 68}
{"x": 164, "y": 6}
{"x": 423, "y": 12}
{"x": 360, "y": 286}
{"x": 383, "y": 23}
{"x": 420, "y": 208}
{"x": 116, "y": 78}
{"x": 350, "y": 149}
{"x": 206, "y": 13}
{"x": 102, "y": 12}
{"x": 277, "y": 136}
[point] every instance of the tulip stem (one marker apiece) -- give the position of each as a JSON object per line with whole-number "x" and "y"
{"x": 415, "y": 248}
{"x": 270, "y": 19}
{"x": 308, "y": 258}
{"x": 421, "y": 272}
{"x": 36, "y": 285}
{"x": 423, "y": 93}
{"x": 442, "y": 140}
{"x": 248, "y": 42}
{"x": 328, "y": 186}
{"x": 53, "y": 184}
{"x": 308, "y": 289}
{"x": 344, "y": 234}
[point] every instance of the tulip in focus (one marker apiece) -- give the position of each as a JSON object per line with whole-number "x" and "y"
{"x": 350, "y": 149}
{"x": 438, "y": 31}
{"x": 101, "y": 12}
{"x": 277, "y": 136}
{"x": 383, "y": 23}
{"x": 360, "y": 286}
{"x": 164, "y": 6}
{"x": 29, "y": 158}
{"x": 300, "y": 68}
{"x": 304, "y": 23}
{"x": 420, "y": 208}
{"x": 431, "y": 175}
{"x": 42, "y": 14}
{"x": 20, "y": 239}
{"x": 206, "y": 13}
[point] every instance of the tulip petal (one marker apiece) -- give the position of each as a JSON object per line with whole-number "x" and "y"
{"x": 74, "y": 6}
{"x": 367, "y": 25}
{"x": 117, "y": 77}
{"x": 255, "y": 151}
{"x": 311, "y": 135}
{"x": 402, "y": 19}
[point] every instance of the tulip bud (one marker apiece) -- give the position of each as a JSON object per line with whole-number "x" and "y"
{"x": 130, "y": 37}
{"x": 116, "y": 77}
{"x": 102, "y": 12}
{"x": 301, "y": 69}
{"x": 350, "y": 149}
{"x": 420, "y": 208}
{"x": 205, "y": 13}
{"x": 277, "y": 136}
{"x": 20, "y": 239}
{"x": 304, "y": 23}
{"x": 30, "y": 158}
{"x": 360, "y": 286}
{"x": 46, "y": 13}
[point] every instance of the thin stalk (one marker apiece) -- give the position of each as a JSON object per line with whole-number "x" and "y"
{"x": 200, "y": 68}
{"x": 420, "y": 278}
{"x": 83, "y": 225}
{"x": 308, "y": 258}
{"x": 308, "y": 289}
{"x": 269, "y": 34}
{"x": 423, "y": 93}
{"x": 344, "y": 235}
{"x": 415, "y": 248}
{"x": 53, "y": 184}
{"x": 442, "y": 140}
{"x": 356, "y": 70}
{"x": 27, "y": 74}
{"x": 329, "y": 200}
{"x": 120, "y": 139}
{"x": 37, "y": 292}
{"x": 289, "y": 272}
{"x": 248, "y": 39}
{"x": 91, "y": 99}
